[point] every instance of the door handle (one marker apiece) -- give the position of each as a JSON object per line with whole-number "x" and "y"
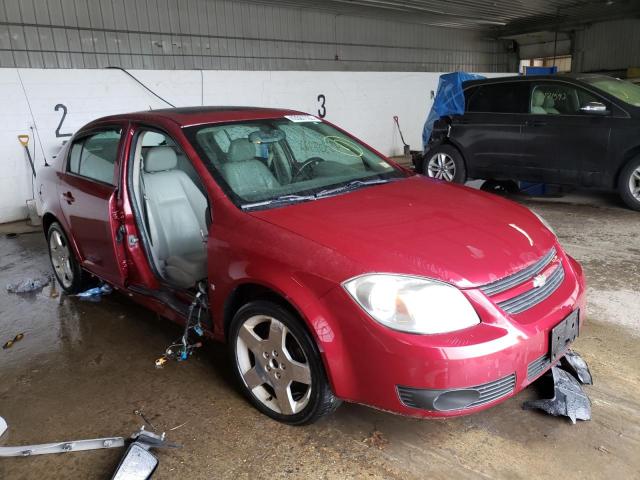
{"x": 68, "y": 196}
{"x": 535, "y": 123}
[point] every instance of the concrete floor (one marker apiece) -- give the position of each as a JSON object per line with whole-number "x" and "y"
{"x": 83, "y": 368}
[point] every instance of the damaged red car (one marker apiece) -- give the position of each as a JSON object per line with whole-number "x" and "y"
{"x": 331, "y": 272}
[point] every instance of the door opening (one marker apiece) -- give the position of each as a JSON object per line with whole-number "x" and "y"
{"x": 172, "y": 208}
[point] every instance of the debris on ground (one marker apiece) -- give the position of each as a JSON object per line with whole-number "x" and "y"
{"x": 15, "y": 339}
{"x": 161, "y": 361}
{"x": 141, "y": 414}
{"x": 574, "y": 363}
{"x": 58, "y": 447}
{"x": 53, "y": 293}
{"x": 95, "y": 294}
{"x": 568, "y": 399}
{"x": 178, "y": 426}
{"x": 29, "y": 284}
{"x": 376, "y": 439}
{"x": 136, "y": 463}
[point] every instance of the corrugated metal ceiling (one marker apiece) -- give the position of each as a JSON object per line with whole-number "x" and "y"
{"x": 504, "y": 17}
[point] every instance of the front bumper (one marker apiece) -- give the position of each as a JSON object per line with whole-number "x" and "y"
{"x": 484, "y": 365}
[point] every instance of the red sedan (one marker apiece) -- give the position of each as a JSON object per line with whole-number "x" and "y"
{"x": 331, "y": 272}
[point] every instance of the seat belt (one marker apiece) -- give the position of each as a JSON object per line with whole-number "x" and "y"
{"x": 145, "y": 209}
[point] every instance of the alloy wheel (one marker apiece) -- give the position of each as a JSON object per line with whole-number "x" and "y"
{"x": 634, "y": 183}
{"x": 60, "y": 258}
{"x": 273, "y": 365}
{"x": 442, "y": 167}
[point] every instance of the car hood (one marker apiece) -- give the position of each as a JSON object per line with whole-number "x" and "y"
{"x": 419, "y": 226}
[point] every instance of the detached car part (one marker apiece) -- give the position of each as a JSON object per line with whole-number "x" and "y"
{"x": 568, "y": 398}
{"x": 573, "y": 362}
{"x": 138, "y": 463}
{"x": 58, "y": 447}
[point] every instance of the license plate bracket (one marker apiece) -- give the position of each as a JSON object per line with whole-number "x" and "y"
{"x": 563, "y": 334}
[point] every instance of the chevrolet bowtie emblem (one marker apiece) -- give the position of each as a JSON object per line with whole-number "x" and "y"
{"x": 539, "y": 281}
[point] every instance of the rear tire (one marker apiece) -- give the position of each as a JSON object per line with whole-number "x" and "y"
{"x": 444, "y": 162}
{"x": 500, "y": 187}
{"x": 65, "y": 266}
{"x": 629, "y": 184}
{"x": 278, "y": 366}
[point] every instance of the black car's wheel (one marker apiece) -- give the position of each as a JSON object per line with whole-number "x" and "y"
{"x": 278, "y": 366}
{"x": 500, "y": 187}
{"x": 65, "y": 265}
{"x": 445, "y": 162}
{"x": 629, "y": 184}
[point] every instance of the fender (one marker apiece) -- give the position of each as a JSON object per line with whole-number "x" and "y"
{"x": 300, "y": 291}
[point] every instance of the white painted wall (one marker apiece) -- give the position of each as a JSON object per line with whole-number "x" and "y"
{"x": 363, "y": 103}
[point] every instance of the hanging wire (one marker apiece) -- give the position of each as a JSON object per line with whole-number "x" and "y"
{"x": 143, "y": 85}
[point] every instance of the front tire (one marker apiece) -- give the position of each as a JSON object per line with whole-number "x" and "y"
{"x": 66, "y": 268}
{"x": 629, "y": 184}
{"x": 278, "y": 366}
{"x": 445, "y": 162}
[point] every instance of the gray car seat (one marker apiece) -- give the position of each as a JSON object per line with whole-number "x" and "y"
{"x": 549, "y": 105}
{"x": 176, "y": 213}
{"x": 247, "y": 176}
{"x": 536, "y": 103}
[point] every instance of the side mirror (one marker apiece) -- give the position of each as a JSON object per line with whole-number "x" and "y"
{"x": 594, "y": 108}
{"x": 138, "y": 463}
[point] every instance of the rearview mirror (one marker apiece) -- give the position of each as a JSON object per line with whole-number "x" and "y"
{"x": 594, "y": 108}
{"x": 137, "y": 464}
{"x": 270, "y": 136}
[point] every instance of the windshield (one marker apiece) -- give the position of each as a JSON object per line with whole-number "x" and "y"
{"x": 625, "y": 91}
{"x": 265, "y": 163}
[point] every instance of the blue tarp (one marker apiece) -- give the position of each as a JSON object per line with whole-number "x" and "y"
{"x": 449, "y": 100}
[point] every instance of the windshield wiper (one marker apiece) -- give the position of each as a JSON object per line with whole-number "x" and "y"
{"x": 278, "y": 200}
{"x": 350, "y": 186}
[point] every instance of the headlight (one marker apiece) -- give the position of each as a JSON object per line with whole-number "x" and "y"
{"x": 545, "y": 223}
{"x": 412, "y": 304}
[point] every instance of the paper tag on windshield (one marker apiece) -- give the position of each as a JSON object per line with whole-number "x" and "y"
{"x": 302, "y": 118}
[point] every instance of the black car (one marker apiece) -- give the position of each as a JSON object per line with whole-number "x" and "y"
{"x": 581, "y": 130}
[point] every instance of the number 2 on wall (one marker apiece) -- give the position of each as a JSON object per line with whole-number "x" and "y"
{"x": 64, "y": 115}
{"x": 322, "y": 111}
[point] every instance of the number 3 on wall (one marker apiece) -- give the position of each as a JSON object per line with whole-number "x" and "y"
{"x": 64, "y": 115}
{"x": 322, "y": 111}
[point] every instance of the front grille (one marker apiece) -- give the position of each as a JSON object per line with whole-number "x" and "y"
{"x": 534, "y": 296}
{"x": 538, "y": 366}
{"x": 519, "y": 277}
{"x": 488, "y": 392}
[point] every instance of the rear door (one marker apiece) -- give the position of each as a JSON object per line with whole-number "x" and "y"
{"x": 563, "y": 144}
{"x": 89, "y": 199}
{"x": 490, "y": 131}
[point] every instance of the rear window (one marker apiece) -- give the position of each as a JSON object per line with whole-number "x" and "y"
{"x": 497, "y": 98}
{"x": 94, "y": 156}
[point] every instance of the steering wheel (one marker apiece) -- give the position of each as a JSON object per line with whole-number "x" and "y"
{"x": 304, "y": 168}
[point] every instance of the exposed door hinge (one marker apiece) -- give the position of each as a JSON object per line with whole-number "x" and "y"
{"x": 120, "y": 233}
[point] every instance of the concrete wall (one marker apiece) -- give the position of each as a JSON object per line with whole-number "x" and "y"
{"x": 364, "y": 103}
{"x": 613, "y": 45}
{"x": 229, "y": 35}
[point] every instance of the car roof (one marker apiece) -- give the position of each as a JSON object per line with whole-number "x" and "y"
{"x": 561, "y": 76}
{"x": 186, "y": 116}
